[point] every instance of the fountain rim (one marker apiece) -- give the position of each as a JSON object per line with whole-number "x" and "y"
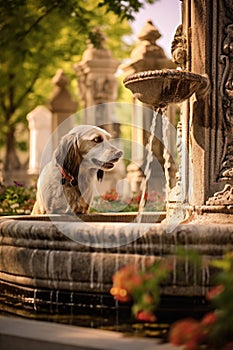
{"x": 164, "y": 73}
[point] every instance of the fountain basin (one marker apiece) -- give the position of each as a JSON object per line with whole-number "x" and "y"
{"x": 158, "y": 88}
{"x": 46, "y": 272}
{"x": 37, "y": 254}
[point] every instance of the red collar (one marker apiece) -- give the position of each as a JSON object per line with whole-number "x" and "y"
{"x": 66, "y": 177}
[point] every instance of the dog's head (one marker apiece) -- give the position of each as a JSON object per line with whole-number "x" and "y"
{"x": 87, "y": 145}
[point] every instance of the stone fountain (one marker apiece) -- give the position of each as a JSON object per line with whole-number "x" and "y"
{"x": 47, "y": 270}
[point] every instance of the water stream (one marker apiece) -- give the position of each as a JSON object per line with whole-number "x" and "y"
{"x": 149, "y": 157}
{"x": 147, "y": 170}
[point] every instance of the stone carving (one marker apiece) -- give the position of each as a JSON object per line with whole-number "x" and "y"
{"x": 179, "y": 48}
{"x": 229, "y": 7}
{"x": 177, "y": 193}
{"x": 96, "y": 74}
{"x": 226, "y": 90}
{"x": 147, "y": 55}
{"x": 62, "y": 106}
{"x": 61, "y": 100}
{"x": 225, "y": 197}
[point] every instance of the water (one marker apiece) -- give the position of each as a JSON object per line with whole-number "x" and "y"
{"x": 149, "y": 158}
{"x": 147, "y": 170}
{"x": 166, "y": 154}
{"x": 176, "y": 213}
{"x": 101, "y": 312}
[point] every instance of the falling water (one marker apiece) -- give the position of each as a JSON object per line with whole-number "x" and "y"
{"x": 92, "y": 267}
{"x": 166, "y": 154}
{"x": 149, "y": 158}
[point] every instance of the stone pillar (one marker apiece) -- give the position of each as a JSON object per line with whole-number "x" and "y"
{"x": 98, "y": 87}
{"x": 147, "y": 55}
{"x": 62, "y": 106}
{"x": 207, "y": 40}
{"x": 98, "y": 84}
{"x": 40, "y": 123}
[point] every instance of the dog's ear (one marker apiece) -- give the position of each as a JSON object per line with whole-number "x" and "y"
{"x": 67, "y": 155}
{"x": 100, "y": 175}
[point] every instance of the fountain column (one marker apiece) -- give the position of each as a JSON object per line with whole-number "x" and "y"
{"x": 206, "y": 40}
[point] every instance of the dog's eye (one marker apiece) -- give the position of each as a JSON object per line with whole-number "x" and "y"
{"x": 98, "y": 139}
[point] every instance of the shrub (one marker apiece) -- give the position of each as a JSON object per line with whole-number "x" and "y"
{"x": 17, "y": 199}
{"x": 110, "y": 202}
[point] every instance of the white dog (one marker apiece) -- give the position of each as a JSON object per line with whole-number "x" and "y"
{"x": 66, "y": 184}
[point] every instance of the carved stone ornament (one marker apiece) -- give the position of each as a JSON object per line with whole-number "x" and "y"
{"x": 226, "y": 90}
{"x": 179, "y": 48}
{"x": 224, "y": 197}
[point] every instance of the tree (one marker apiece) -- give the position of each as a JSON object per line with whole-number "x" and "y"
{"x": 38, "y": 35}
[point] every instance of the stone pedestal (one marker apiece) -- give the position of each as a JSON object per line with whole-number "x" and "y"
{"x": 62, "y": 107}
{"x": 40, "y": 123}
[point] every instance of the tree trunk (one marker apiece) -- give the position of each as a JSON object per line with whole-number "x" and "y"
{"x": 11, "y": 159}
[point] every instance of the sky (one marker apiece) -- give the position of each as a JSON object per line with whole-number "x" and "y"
{"x": 165, "y": 15}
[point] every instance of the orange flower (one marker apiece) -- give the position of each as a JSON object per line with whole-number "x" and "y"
{"x": 124, "y": 282}
{"x": 120, "y": 294}
{"x": 146, "y": 316}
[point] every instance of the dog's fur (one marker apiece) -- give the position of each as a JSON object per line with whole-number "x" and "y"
{"x": 66, "y": 183}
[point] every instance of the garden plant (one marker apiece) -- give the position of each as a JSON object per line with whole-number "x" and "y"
{"x": 213, "y": 331}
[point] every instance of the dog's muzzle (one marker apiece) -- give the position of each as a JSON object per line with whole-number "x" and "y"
{"x": 107, "y": 165}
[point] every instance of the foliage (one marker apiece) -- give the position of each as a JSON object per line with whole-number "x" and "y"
{"x": 16, "y": 199}
{"x": 39, "y": 36}
{"x": 124, "y": 9}
{"x": 110, "y": 202}
{"x": 214, "y": 331}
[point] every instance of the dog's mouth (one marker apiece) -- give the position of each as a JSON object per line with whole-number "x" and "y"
{"x": 105, "y": 165}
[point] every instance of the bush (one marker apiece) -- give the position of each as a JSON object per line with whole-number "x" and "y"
{"x": 109, "y": 202}
{"x": 213, "y": 332}
{"x": 17, "y": 199}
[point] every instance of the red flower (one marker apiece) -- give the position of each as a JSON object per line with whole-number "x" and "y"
{"x": 209, "y": 319}
{"x": 110, "y": 196}
{"x": 136, "y": 199}
{"x": 187, "y": 332}
{"x": 146, "y": 316}
{"x": 212, "y": 293}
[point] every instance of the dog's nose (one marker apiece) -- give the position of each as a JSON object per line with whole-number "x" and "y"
{"x": 119, "y": 154}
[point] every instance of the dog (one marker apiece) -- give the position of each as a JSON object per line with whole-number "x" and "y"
{"x": 66, "y": 184}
